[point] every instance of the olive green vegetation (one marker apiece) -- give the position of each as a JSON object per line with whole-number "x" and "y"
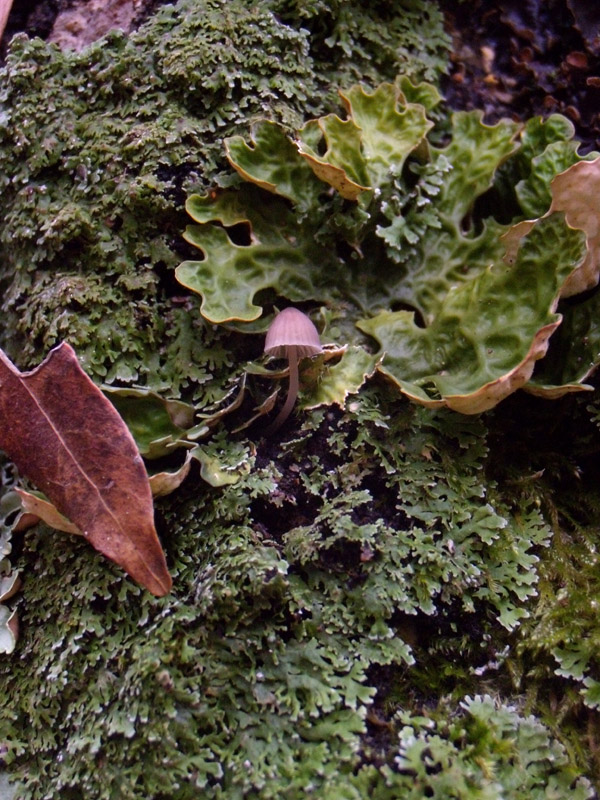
{"x": 388, "y": 600}
{"x": 472, "y": 328}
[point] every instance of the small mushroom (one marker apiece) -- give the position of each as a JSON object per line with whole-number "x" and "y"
{"x": 292, "y": 335}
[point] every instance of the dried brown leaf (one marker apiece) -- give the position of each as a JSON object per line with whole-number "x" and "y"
{"x": 67, "y": 438}
{"x": 43, "y": 510}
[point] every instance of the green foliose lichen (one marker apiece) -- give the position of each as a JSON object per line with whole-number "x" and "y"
{"x": 293, "y": 587}
{"x": 346, "y": 601}
{"x": 97, "y": 148}
{"x": 368, "y": 214}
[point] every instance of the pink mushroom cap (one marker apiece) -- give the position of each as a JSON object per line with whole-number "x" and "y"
{"x": 292, "y": 328}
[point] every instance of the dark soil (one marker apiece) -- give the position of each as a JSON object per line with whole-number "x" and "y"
{"x": 32, "y": 17}
{"x": 522, "y": 58}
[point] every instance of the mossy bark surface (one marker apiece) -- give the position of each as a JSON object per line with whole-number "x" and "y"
{"x": 383, "y": 600}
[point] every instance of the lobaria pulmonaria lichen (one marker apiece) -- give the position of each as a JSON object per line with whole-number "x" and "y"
{"x": 351, "y": 606}
{"x": 100, "y": 147}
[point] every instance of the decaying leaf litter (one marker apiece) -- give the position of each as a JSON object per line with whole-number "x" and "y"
{"x": 64, "y": 435}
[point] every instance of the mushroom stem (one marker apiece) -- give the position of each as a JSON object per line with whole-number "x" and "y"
{"x": 292, "y": 394}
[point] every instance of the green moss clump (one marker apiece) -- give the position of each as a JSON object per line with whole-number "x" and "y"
{"x": 100, "y": 148}
{"x": 294, "y": 589}
{"x": 334, "y": 607}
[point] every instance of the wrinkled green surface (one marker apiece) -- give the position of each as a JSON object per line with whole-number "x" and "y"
{"x": 361, "y": 149}
{"x": 574, "y": 350}
{"x": 230, "y": 275}
{"x": 476, "y": 339}
{"x": 333, "y": 383}
{"x": 270, "y": 162}
{"x": 480, "y": 317}
{"x": 350, "y": 595}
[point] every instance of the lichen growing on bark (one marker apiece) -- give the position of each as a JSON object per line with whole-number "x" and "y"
{"x": 293, "y": 588}
{"x": 345, "y": 600}
{"x": 100, "y": 148}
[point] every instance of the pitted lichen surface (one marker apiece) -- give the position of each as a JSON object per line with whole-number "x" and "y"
{"x": 471, "y": 328}
{"x": 366, "y": 606}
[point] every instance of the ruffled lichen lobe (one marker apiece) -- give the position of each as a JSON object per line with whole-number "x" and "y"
{"x": 347, "y": 598}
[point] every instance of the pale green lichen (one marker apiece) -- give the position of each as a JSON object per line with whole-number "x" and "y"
{"x": 441, "y": 759}
{"x": 336, "y": 596}
{"x": 291, "y": 587}
{"x": 470, "y": 329}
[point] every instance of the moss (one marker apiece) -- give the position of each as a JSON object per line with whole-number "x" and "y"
{"x": 100, "y": 148}
{"x": 258, "y": 674}
{"x": 335, "y": 606}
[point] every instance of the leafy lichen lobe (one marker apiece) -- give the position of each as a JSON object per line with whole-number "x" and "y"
{"x": 361, "y": 575}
